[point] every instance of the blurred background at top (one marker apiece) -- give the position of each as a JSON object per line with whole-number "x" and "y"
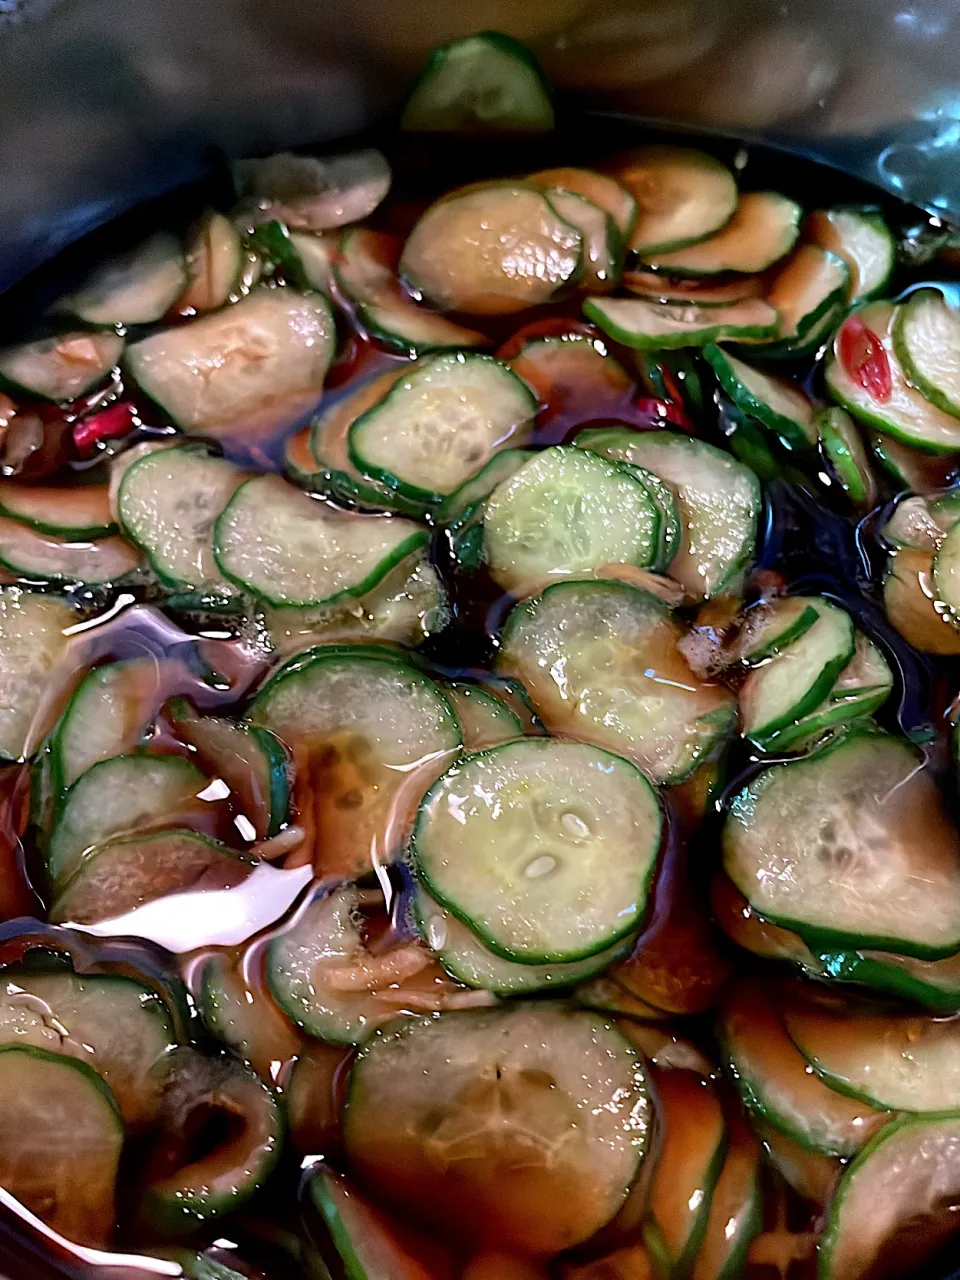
{"x": 106, "y": 102}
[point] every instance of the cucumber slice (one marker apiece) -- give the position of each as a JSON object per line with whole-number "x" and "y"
{"x": 901, "y": 1185}
{"x": 244, "y": 1016}
{"x": 934, "y": 984}
{"x": 60, "y": 1143}
{"x": 42, "y": 557}
{"x": 602, "y": 246}
{"x": 484, "y": 719}
{"x": 694, "y": 1145}
{"x": 603, "y": 190}
{"x": 168, "y": 504}
{"x": 486, "y": 83}
{"x": 324, "y": 978}
{"x": 946, "y": 572}
{"x": 291, "y": 550}
{"x": 512, "y": 840}
{"x": 476, "y": 1103}
{"x": 439, "y": 424}
{"x": 926, "y": 338}
{"x": 366, "y": 271}
{"x": 191, "y": 1182}
{"x": 850, "y": 847}
{"x": 124, "y": 794}
{"x": 753, "y": 933}
{"x": 671, "y": 530}
{"x": 367, "y": 733}
{"x": 763, "y": 229}
{"x": 60, "y": 368}
{"x": 602, "y": 663}
{"x": 316, "y": 255}
{"x": 464, "y": 503}
{"x": 312, "y": 1091}
{"x": 492, "y": 250}
{"x": 252, "y": 369}
{"x": 777, "y": 1086}
{"x": 115, "y": 1025}
{"x": 110, "y": 714}
{"x": 771, "y": 626}
{"x": 77, "y": 511}
{"x": 658, "y": 326}
{"x": 893, "y": 1063}
{"x": 250, "y": 760}
{"x": 810, "y": 286}
{"x": 912, "y": 604}
{"x": 117, "y": 877}
{"x": 574, "y": 375}
{"x": 565, "y": 512}
{"x": 406, "y": 607}
{"x": 659, "y": 287}
{"x": 736, "y": 1210}
{"x": 309, "y": 193}
{"x": 465, "y": 957}
{"x": 841, "y": 444}
{"x": 878, "y": 392}
{"x": 860, "y": 236}
{"x": 215, "y": 263}
{"x": 299, "y": 463}
{"x": 137, "y": 288}
{"x": 718, "y": 497}
{"x": 608, "y": 996}
{"x": 918, "y": 523}
{"x": 861, "y": 688}
{"x": 777, "y": 404}
{"x": 810, "y": 1174}
{"x": 782, "y": 691}
{"x": 33, "y": 647}
{"x": 919, "y": 472}
{"x": 682, "y": 196}
{"x": 338, "y": 478}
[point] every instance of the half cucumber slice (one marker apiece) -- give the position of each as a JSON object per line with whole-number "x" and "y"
{"x": 926, "y": 338}
{"x": 601, "y": 663}
{"x": 215, "y": 265}
{"x": 366, "y": 271}
{"x": 485, "y": 83}
{"x": 368, "y": 733}
{"x": 565, "y": 512}
{"x": 250, "y": 370}
{"x": 75, "y": 511}
{"x": 850, "y": 847}
{"x": 137, "y": 288}
{"x": 32, "y": 646}
{"x": 472, "y": 1091}
{"x": 718, "y": 498}
{"x": 492, "y": 249}
{"x": 843, "y": 447}
{"x": 510, "y": 839}
{"x": 659, "y": 326}
{"x": 440, "y": 423}
{"x": 219, "y": 1108}
{"x": 60, "y": 368}
{"x": 682, "y": 195}
{"x": 859, "y": 235}
{"x": 865, "y": 375}
{"x": 311, "y": 193}
{"x": 763, "y": 229}
{"x": 60, "y": 1142}
{"x": 776, "y": 403}
{"x": 291, "y": 550}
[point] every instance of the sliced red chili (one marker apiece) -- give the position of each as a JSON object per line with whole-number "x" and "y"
{"x": 109, "y": 424}
{"x": 864, "y": 359}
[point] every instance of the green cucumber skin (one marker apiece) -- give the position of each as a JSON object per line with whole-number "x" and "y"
{"x": 275, "y": 758}
{"x": 342, "y": 1240}
{"x": 841, "y": 459}
{"x": 75, "y": 532}
{"x": 818, "y": 691}
{"x": 888, "y": 979}
{"x": 800, "y": 348}
{"x": 790, "y": 432}
{"x": 800, "y": 626}
{"x": 813, "y": 724}
{"x": 349, "y": 491}
{"x": 55, "y": 745}
{"x": 923, "y": 384}
{"x": 593, "y": 310}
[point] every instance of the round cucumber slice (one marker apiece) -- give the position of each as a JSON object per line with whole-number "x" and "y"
{"x": 660, "y": 326}
{"x": 215, "y": 262}
{"x": 544, "y": 848}
{"x": 850, "y": 847}
{"x": 601, "y": 662}
{"x": 60, "y": 1142}
{"x": 763, "y": 228}
{"x": 520, "y": 1127}
{"x": 244, "y": 1016}
{"x": 602, "y": 246}
{"x": 465, "y": 957}
{"x": 136, "y": 288}
{"x": 776, "y": 403}
{"x": 60, "y": 368}
{"x": 367, "y": 733}
{"x": 311, "y": 193}
{"x": 904, "y": 1181}
{"x": 682, "y": 196}
{"x": 810, "y": 286}
{"x": 776, "y": 1085}
{"x": 293, "y": 551}
{"x": 492, "y": 250}
{"x": 222, "y": 1132}
{"x": 860, "y": 236}
{"x": 32, "y": 646}
{"x": 926, "y": 338}
{"x": 602, "y": 189}
{"x": 80, "y": 511}
{"x": 46, "y": 558}
{"x": 912, "y": 604}
{"x": 566, "y": 512}
{"x": 484, "y": 719}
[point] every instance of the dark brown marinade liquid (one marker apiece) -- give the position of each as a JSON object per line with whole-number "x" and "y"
{"x": 808, "y": 540}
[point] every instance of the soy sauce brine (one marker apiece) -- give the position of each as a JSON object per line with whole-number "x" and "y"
{"x": 478, "y": 641}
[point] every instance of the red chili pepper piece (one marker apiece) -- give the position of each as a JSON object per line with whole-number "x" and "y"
{"x": 109, "y": 424}
{"x": 864, "y": 359}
